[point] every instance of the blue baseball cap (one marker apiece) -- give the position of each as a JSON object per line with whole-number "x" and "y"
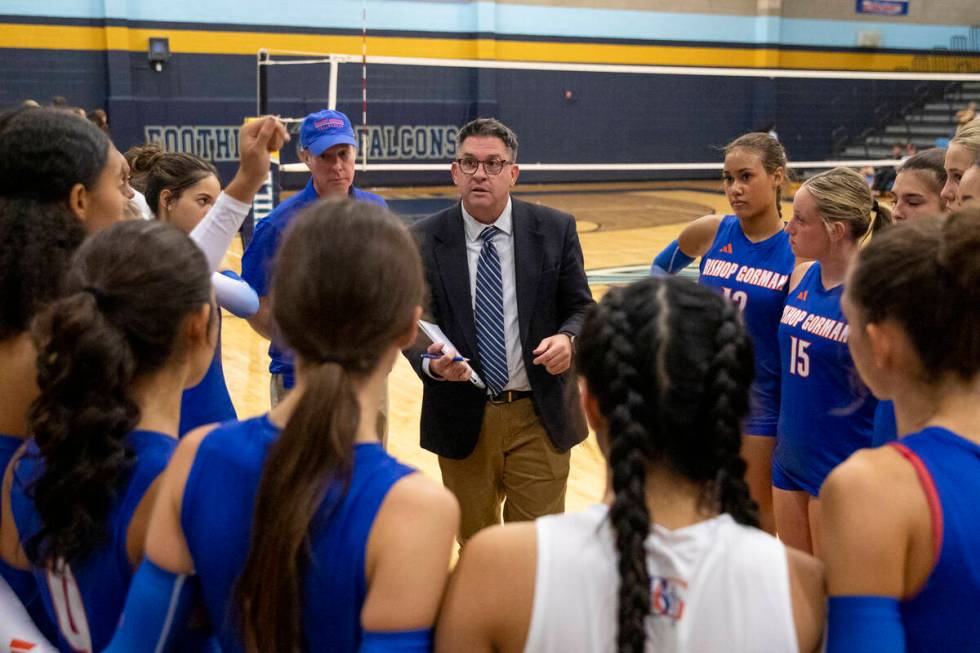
{"x": 322, "y": 130}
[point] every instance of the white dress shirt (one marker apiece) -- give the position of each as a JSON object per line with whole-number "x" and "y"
{"x": 504, "y": 244}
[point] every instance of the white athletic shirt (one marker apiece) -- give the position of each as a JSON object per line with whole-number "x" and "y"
{"x": 715, "y": 586}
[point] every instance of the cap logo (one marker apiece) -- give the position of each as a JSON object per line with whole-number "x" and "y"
{"x": 329, "y": 123}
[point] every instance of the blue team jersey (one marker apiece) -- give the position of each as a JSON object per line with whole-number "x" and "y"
{"x": 259, "y": 257}
{"x": 87, "y": 600}
{"x": 826, "y": 411}
{"x": 942, "y": 615}
{"x": 886, "y": 429}
{"x": 207, "y": 402}
{"x": 9, "y": 445}
{"x": 755, "y": 276}
{"x": 22, "y": 582}
{"x": 216, "y": 518}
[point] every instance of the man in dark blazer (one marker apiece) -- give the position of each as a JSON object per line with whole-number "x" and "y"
{"x": 508, "y": 288}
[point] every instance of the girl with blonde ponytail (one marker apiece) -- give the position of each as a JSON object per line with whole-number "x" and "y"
{"x": 826, "y": 412}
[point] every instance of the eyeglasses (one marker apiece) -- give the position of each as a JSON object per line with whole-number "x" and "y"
{"x": 469, "y": 165}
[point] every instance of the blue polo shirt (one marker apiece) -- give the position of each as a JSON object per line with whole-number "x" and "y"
{"x": 259, "y": 258}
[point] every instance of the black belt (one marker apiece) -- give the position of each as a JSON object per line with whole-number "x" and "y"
{"x": 509, "y": 396}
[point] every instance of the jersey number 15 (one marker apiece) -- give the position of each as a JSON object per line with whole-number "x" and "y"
{"x": 799, "y": 360}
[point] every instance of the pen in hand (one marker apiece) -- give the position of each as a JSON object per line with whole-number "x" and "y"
{"x": 435, "y": 357}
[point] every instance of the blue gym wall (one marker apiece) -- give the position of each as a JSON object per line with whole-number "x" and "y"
{"x": 94, "y": 53}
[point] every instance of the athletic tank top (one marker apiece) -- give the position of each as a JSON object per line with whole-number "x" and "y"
{"x": 826, "y": 411}
{"x": 755, "y": 276}
{"x": 22, "y": 582}
{"x": 216, "y": 517}
{"x": 942, "y": 616}
{"x": 208, "y": 402}
{"x": 86, "y": 601}
{"x": 9, "y": 445}
{"x": 886, "y": 429}
{"x": 715, "y": 586}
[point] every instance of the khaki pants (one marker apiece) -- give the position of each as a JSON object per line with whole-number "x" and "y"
{"x": 278, "y": 392}
{"x": 515, "y": 463}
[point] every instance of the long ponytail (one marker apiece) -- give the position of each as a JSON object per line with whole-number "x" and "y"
{"x": 128, "y": 290}
{"x": 347, "y": 280}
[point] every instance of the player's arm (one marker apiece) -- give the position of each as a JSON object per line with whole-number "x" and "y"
{"x": 234, "y": 294}
{"x": 808, "y": 593}
{"x": 868, "y": 506}
{"x": 490, "y": 597}
{"x": 407, "y": 565}
{"x": 261, "y": 320}
{"x": 215, "y": 232}
{"x": 164, "y": 590}
{"x": 256, "y": 271}
{"x": 693, "y": 241}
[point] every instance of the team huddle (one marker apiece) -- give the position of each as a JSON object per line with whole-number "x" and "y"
{"x": 792, "y": 443}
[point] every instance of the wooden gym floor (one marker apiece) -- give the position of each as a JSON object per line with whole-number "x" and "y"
{"x": 622, "y": 226}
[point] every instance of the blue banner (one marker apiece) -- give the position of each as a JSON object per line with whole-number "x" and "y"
{"x": 883, "y": 7}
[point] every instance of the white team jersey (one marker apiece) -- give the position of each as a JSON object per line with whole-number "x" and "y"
{"x": 714, "y": 586}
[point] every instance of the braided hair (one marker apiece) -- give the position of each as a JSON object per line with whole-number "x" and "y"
{"x": 670, "y": 364}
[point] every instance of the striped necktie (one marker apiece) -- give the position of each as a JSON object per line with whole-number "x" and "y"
{"x": 489, "y": 313}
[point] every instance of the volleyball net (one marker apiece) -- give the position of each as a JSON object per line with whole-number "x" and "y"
{"x": 599, "y": 122}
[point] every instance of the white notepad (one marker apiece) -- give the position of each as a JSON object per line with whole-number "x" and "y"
{"x": 436, "y": 335}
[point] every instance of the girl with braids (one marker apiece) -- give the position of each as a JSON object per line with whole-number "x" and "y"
{"x": 963, "y": 151}
{"x": 747, "y": 257}
{"x": 133, "y": 329}
{"x": 665, "y": 370}
{"x": 301, "y": 531}
{"x": 900, "y": 527}
{"x": 181, "y": 189}
{"x": 826, "y": 412}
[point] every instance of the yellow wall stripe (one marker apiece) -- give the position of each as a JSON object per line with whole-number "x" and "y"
{"x": 66, "y": 37}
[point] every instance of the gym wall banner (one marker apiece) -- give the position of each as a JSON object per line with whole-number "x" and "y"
{"x": 883, "y": 7}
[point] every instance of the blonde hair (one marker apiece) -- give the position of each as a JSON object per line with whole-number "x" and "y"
{"x": 968, "y": 135}
{"x": 842, "y": 195}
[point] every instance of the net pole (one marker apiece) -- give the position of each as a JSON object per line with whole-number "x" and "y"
{"x": 364, "y": 79}
{"x": 332, "y": 88}
{"x": 262, "y": 83}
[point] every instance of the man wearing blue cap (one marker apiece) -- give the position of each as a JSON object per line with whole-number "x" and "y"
{"x": 329, "y": 150}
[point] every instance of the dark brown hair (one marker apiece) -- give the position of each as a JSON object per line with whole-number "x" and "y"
{"x": 155, "y": 170}
{"x": 45, "y": 152}
{"x": 39, "y": 240}
{"x": 670, "y": 363}
{"x": 932, "y": 163}
{"x": 489, "y": 127}
{"x": 770, "y": 152}
{"x": 346, "y": 283}
{"x": 128, "y": 291}
{"x": 925, "y": 275}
